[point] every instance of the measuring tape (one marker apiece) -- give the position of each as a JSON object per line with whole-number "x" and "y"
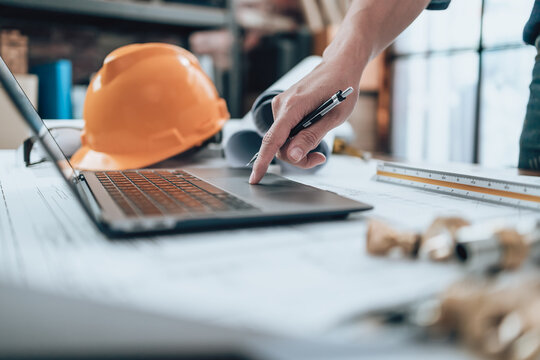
{"x": 520, "y": 194}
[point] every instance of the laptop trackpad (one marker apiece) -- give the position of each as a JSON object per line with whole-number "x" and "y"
{"x": 236, "y": 181}
{"x": 274, "y": 193}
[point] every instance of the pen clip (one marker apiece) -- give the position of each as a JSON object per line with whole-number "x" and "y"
{"x": 341, "y": 95}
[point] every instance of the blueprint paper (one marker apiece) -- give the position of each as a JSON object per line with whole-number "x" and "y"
{"x": 302, "y": 279}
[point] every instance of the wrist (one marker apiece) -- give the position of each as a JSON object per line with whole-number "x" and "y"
{"x": 348, "y": 65}
{"x": 350, "y": 50}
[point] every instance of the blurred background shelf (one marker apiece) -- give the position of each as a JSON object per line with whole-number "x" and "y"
{"x": 453, "y": 87}
{"x": 84, "y": 31}
{"x": 151, "y": 12}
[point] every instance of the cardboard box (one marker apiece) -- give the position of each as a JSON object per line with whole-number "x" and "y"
{"x": 372, "y": 75}
{"x": 14, "y": 51}
{"x": 13, "y": 128}
{"x": 364, "y": 123}
{"x": 322, "y": 38}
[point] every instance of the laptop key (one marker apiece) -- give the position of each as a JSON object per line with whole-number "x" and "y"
{"x": 157, "y": 192}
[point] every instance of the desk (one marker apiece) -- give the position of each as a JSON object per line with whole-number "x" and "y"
{"x": 301, "y": 280}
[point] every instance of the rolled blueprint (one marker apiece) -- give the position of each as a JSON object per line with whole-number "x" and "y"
{"x": 241, "y": 146}
{"x": 242, "y": 139}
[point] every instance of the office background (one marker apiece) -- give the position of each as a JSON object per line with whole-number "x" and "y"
{"x": 453, "y": 87}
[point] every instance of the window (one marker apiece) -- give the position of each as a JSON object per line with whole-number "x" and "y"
{"x": 460, "y": 83}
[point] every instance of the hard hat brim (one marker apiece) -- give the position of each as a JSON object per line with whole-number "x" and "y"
{"x": 88, "y": 159}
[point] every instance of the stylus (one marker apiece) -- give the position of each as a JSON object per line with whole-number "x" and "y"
{"x": 315, "y": 115}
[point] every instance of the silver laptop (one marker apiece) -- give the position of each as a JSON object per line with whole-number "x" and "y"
{"x": 151, "y": 200}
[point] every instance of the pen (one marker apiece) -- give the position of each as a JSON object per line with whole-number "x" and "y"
{"x": 315, "y": 115}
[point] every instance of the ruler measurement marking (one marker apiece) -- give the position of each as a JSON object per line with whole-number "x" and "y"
{"x": 461, "y": 186}
{"x": 394, "y": 168}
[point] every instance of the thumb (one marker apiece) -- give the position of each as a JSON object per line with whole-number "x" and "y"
{"x": 305, "y": 141}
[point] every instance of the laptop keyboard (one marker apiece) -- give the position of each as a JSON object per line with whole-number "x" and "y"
{"x": 163, "y": 192}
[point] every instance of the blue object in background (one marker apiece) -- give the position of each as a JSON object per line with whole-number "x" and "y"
{"x": 54, "y": 97}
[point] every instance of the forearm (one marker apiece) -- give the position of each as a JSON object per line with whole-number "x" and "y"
{"x": 368, "y": 28}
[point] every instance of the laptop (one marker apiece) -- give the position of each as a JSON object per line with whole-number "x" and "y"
{"x": 187, "y": 199}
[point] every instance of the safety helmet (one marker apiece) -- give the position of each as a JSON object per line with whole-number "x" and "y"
{"x": 147, "y": 103}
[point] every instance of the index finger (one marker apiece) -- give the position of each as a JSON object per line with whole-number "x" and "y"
{"x": 274, "y": 138}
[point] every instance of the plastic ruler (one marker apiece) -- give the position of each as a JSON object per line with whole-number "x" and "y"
{"x": 520, "y": 194}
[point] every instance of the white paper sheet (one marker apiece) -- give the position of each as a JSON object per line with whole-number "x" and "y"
{"x": 295, "y": 279}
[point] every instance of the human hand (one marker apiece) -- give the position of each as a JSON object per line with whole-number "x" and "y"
{"x": 292, "y": 105}
{"x": 367, "y": 29}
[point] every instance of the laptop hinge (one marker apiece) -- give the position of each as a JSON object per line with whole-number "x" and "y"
{"x": 87, "y": 196}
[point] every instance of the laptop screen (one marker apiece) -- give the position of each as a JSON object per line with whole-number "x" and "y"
{"x": 34, "y": 121}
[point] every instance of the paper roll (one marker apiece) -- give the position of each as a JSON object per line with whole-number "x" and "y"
{"x": 241, "y": 146}
{"x": 241, "y": 140}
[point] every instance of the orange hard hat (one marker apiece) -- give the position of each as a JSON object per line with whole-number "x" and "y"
{"x": 147, "y": 103}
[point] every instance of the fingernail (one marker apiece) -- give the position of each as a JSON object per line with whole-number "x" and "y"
{"x": 296, "y": 154}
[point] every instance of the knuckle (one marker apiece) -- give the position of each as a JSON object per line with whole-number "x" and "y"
{"x": 289, "y": 103}
{"x": 276, "y": 100}
{"x": 268, "y": 138}
{"x": 277, "y": 103}
{"x": 283, "y": 102}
